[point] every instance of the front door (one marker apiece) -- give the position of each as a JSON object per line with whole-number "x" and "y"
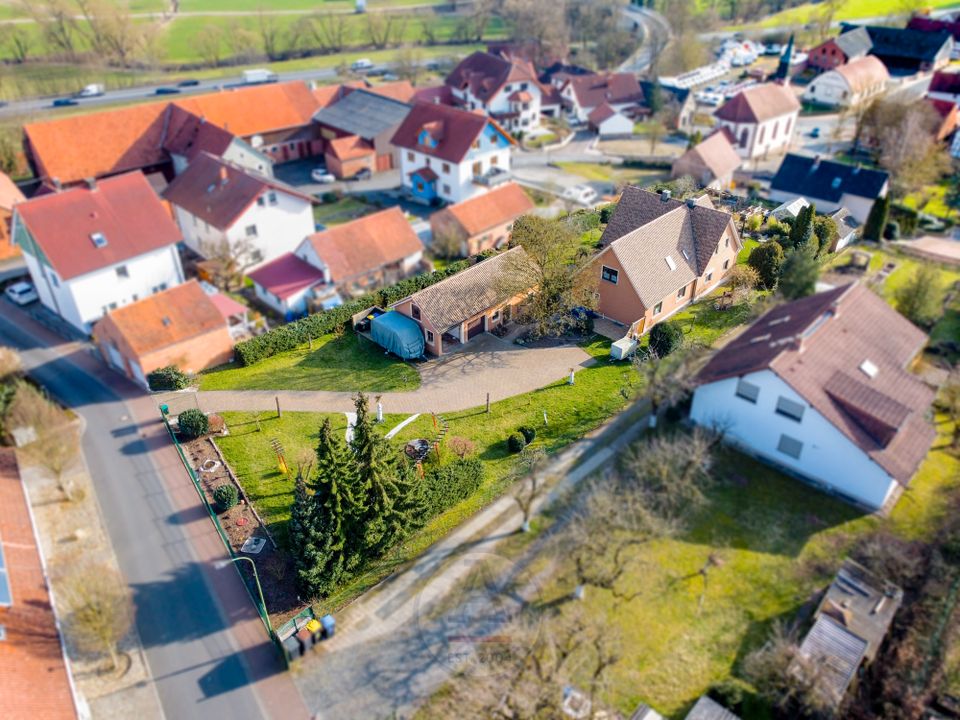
{"x": 476, "y": 327}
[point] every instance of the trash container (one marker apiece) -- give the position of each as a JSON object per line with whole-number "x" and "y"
{"x": 329, "y": 626}
{"x": 291, "y": 648}
{"x": 305, "y": 638}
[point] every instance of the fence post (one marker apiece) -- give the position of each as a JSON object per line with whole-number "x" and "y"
{"x": 277, "y": 398}
{"x": 488, "y": 403}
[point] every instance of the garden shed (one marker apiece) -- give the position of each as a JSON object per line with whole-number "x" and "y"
{"x": 398, "y": 334}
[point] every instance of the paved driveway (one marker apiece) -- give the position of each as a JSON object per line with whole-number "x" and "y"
{"x": 456, "y": 381}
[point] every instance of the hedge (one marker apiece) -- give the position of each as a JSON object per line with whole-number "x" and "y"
{"x": 167, "y": 378}
{"x": 516, "y": 442}
{"x": 193, "y": 423}
{"x": 289, "y": 336}
{"x": 225, "y": 496}
{"x": 451, "y": 483}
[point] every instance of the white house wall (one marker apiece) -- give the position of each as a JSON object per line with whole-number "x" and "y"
{"x": 769, "y": 137}
{"x": 616, "y": 125}
{"x": 827, "y": 456}
{"x": 831, "y": 88}
{"x": 859, "y": 207}
{"x": 456, "y": 183}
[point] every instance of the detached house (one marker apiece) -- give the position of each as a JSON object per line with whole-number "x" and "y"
{"x": 839, "y": 50}
{"x": 820, "y": 386}
{"x": 849, "y": 85}
{"x": 582, "y": 94}
{"x": 945, "y": 85}
{"x": 659, "y": 254}
{"x": 761, "y": 119}
{"x": 505, "y": 89}
{"x": 88, "y": 254}
{"x": 484, "y": 222}
{"x": 711, "y": 163}
{"x": 451, "y": 155}
{"x": 220, "y": 205}
{"x": 906, "y": 51}
{"x": 831, "y": 185}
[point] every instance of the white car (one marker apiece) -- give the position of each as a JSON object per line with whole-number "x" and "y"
{"x": 583, "y": 194}
{"x": 361, "y": 64}
{"x": 22, "y": 293}
{"x": 320, "y": 175}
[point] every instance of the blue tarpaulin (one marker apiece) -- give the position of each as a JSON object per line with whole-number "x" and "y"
{"x": 398, "y": 334}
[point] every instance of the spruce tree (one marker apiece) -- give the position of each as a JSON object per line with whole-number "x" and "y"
{"x": 306, "y": 542}
{"x": 801, "y": 232}
{"x": 877, "y": 219}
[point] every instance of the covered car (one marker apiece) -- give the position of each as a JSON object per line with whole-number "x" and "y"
{"x": 398, "y": 334}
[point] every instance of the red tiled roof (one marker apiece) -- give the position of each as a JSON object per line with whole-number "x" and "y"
{"x": 440, "y": 94}
{"x": 226, "y": 305}
{"x": 365, "y": 245}
{"x": 484, "y": 74}
{"x": 350, "y": 147}
{"x": 219, "y": 192}
{"x": 10, "y": 194}
{"x": 34, "y": 681}
{"x": 615, "y": 88}
{"x": 286, "y": 276}
{"x": 123, "y": 208}
{"x": 945, "y": 82}
{"x": 943, "y": 108}
{"x": 188, "y": 135}
{"x": 818, "y": 344}
{"x": 716, "y": 153}
{"x": 400, "y": 90}
{"x": 759, "y": 103}
{"x": 426, "y": 173}
{"x": 255, "y": 110}
{"x": 454, "y": 130}
{"x": 166, "y": 318}
{"x": 496, "y": 207}
{"x": 600, "y": 113}
{"x": 520, "y": 96}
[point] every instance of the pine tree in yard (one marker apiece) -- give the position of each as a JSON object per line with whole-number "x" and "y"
{"x": 801, "y": 232}
{"x": 877, "y": 219}
{"x": 306, "y": 541}
{"x": 799, "y": 274}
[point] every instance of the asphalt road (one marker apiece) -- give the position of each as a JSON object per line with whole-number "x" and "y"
{"x": 196, "y": 665}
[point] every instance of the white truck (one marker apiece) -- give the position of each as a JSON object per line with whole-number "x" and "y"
{"x": 94, "y": 90}
{"x": 258, "y": 77}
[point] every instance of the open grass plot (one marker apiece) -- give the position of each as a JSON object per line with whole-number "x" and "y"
{"x": 614, "y": 174}
{"x": 349, "y": 363}
{"x": 848, "y": 10}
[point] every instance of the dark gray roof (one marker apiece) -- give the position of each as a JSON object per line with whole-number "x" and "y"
{"x": 855, "y": 42}
{"x": 364, "y": 114}
{"x": 826, "y": 179}
{"x": 707, "y": 709}
{"x": 905, "y": 44}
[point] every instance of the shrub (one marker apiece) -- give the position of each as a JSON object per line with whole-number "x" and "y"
{"x": 606, "y": 212}
{"x": 907, "y": 217}
{"x": 799, "y": 275}
{"x": 665, "y": 337}
{"x": 225, "y": 496}
{"x": 193, "y": 423}
{"x": 742, "y": 279}
{"x": 766, "y": 259}
{"x": 516, "y": 442}
{"x": 891, "y": 231}
{"x": 529, "y": 433}
{"x": 451, "y": 483}
{"x": 167, "y": 378}
{"x": 462, "y": 447}
{"x": 329, "y": 197}
{"x": 216, "y": 423}
{"x": 877, "y": 219}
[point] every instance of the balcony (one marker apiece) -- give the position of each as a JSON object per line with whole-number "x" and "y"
{"x": 492, "y": 177}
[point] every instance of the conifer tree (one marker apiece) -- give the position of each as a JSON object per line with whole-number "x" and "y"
{"x": 306, "y": 542}
{"x": 877, "y": 219}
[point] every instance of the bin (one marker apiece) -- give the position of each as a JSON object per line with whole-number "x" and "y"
{"x": 329, "y": 626}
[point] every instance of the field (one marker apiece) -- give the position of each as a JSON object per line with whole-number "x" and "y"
{"x": 850, "y": 10}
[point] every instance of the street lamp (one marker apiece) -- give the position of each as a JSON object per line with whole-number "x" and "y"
{"x": 220, "y": 564}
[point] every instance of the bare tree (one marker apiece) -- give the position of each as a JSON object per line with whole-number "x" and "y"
{"x": 328, "y": 30}
{"x": 57, "y": 24}
{"x": 109, "y": 29}
{"x": 447, "y": 242}
{"x": 57, "y": 451}
{"x": 409, "y": 64}
{"x": 209, "y": 43}
{"x": 229, "y": 261}
{"x": 667, "y": 380}
{"x": 99, "y": 610}
{"x": 532, "y": 483}
{"x": 428, "y": 31}
{"x": 380, "y": 29}
{"x": 270, "y": 34}
{"x": 10, "y": 363}
{"x": 18, "y": 41}
{"x": 241, "y": 41}
{"x": 547, "y": 31}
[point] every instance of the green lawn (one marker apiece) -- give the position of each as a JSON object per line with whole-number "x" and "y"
{"x": 932, "y": 200}
{"x": 349, "y": 364}
{"x": 744, "y": 254}
{"x": 850, "y": 10}
{"x": 604, "y": 172}
{"x": 343, "y": 210}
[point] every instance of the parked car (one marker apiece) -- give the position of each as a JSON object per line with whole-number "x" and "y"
{"x": 815, "y": 133}
{"x": 166, "y": 91}
{"x": 390, "y": 77}
{"x": 709, "y": 98}
{"x": 320, "y": 175}
{"x": 22, "y": 293}
{"x": 188, "y": 83}
{"x": 64, "y": 102}
{"x": 361, "y": 64}
{"x": 772, "y": 49}
{"x": 583, "y": 194}
{"x": 363, "y": 174}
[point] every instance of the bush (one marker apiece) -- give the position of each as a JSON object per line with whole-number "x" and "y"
{"x": 742, "y": 279}
{"x": 328, "y": 197}
{"x": 451, "y": 483}
{"x": 193, "y": 423}
{"x": 766, "y": 259}
{"x": 907, "y": 217}
{"x": 516, "y": 442}
{"x": 606, "y": 212}
{"x": 529, "y": 433}
{"x": 167, "y": 378}
{"x": 891, "y": 231}
{"x": 462, "y": 447}
{"x": 665, "y": 337}
{"x": 215, "y": 423}
{"x": 225, "y": 496}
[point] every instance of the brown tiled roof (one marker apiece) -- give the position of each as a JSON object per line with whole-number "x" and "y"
{"x": 10, "y": 194}
{"x": 520, "y": 96}
{"x": 614, "y": 88}
{"x": 759, "y": 103}
{"x": 62, "y": 224}
{"x": 600, "y": 113}
{"x": 484, "y": 74}
{"x": 945, "y": 81}
{"x": 166, "y": 318}
{"x": 189, "y": 135}
{"x": 454, "y": 130}
{"x": 33, "y": 682}
{"x": 863, "y": 73}
{"x": 716, "y": 154}
{"x": 218, "y": 192}
{"x": 362, "y": 246}
{"x": 350, "y": 147}
{"x": 818, "y": 346}
{"x": 496, "y": 207}
{"x": 426, "y": 173}
{"x": 469, "y": 292}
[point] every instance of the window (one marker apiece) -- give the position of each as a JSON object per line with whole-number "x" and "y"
{"x": 494, "y": 161}
{"x": 682, "y": 292}
{"x": 523, "y": 86}
{"x": 478, "y": 168}
{"x": 54, "y": 280}
{"x": 158, "y": 288}
{"x": 726, "y": 264}
{"x": 99, "y": 240}
{"x": 272, "y": 197}
{"x": 428, "y": 162}
{"x": 410, "y": 156}
{"x": 446, "y": 189}
{"x": 760, "y": 136}
{"x": 670, "y": 263}
{"x": 495, "y": 316}
{"x": 415, "y": 312}
{"x": 789, "y": 408}
{"x": 429, "y": 337}
{"x": 709, "y": 276}
{"x": 260, "y": 201}
{"x": 609, "y": 274}
{"x": 446, "y": 167}
{"x": 773, "y": 135}
{"x": 743, "y": 138}
{"x": 726, "y": 242}
{"x": 256, "y": 256}
{"x": 658, "y": 308}
{"x": 747, "y": 391}
{"x": 251, "y": 231}
{"x": 790, "y": 446}
{"x": 122, "y": 271}
{"x": 869, "y": 369}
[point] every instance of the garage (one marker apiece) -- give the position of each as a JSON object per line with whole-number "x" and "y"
{"x": 475, "y": 327}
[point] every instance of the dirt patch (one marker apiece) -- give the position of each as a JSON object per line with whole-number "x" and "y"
{"x": 241, "y": 522}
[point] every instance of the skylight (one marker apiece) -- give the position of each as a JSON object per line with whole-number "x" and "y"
{"x": 779, "y": 320}
{"x": 836, "y": 183}
{"x": 685, "y": 255}
{"x": 869, "y": 369}
{"x": 99, "y": 240}
{"x": 670, "y": 263}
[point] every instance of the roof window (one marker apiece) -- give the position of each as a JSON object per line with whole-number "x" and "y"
{"x": 686, "y": 255}
{"x": 670, "y": 263}
{"x": 98, "y": 239}
{"x": 779, "y": 320}
{"x": 869, "y": 369}
{"x": 836, "y": 183}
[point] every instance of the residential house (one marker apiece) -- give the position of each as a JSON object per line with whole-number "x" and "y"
{"x": 679, "y": 99}
{"x": 582, "y": 94}
{"x": 711, "y": 163}
{"x": 946, "y": 114}
{"x": 907, "y": 52}
{"x": 36, "y": 680}
{"x": 848, "y": 229}
{"x": 854, "y": 83}
{"x": 474, "y": 301}
{"x": 180, "y": 326}
{"x": 659, "y": 254}
{"x": 88, "y": 254}
{"x": 836, "y": 51}
{"x": 925, "y": 23}
{"x": 365, "y": 254}
{"x": 484, "y": 222}
{"x": 451, "y": 155}
{"x": 945, "y": 85}
{"x": 10, "y": 195}
{"x": 286, "y": 285}
{"x": 225, "y": 209}
{"x": 821, "y": 388}
{"x": 761, "y": 118}
{"x": 609, "y": 123}
{"x": 849, "y": 628}
{"x": 505, "y": 88}
{"x": 829, "y": 184}
{"x": 358, "y": 130}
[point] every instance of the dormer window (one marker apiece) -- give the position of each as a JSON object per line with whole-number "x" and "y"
{"x": 836, "y": 183}
{"x": 98, "y": 239}
{"x": 869, "y": 369}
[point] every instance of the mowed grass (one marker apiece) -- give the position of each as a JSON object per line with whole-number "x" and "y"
{"x": 849, "y": 10}
{"x": 343, "y": 210}
{"x": 347, "y": 364}
{"x": 603, "y": 172}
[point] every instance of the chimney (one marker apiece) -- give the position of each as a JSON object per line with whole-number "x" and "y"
{"x": 664, "y": 196}
{"x": 57, "y": 185}
{"x": 690, "y": 202}
{"x": 223, "y": 176}
{"x": 91, "y": 183}
{"x": 816, "y": 162}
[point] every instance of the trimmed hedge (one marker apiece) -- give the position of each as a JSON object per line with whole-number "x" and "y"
{"x": 289, "y": 336}
{"x": 529, "y": 433}
{"x": 665, "y": 337}
{"x": 451, "y": 483}
{"x": 167, "y": 378}
{"x": 225, "y": 496}
{"x": 193, "y": 423}
{"x": 516, "y": 442}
